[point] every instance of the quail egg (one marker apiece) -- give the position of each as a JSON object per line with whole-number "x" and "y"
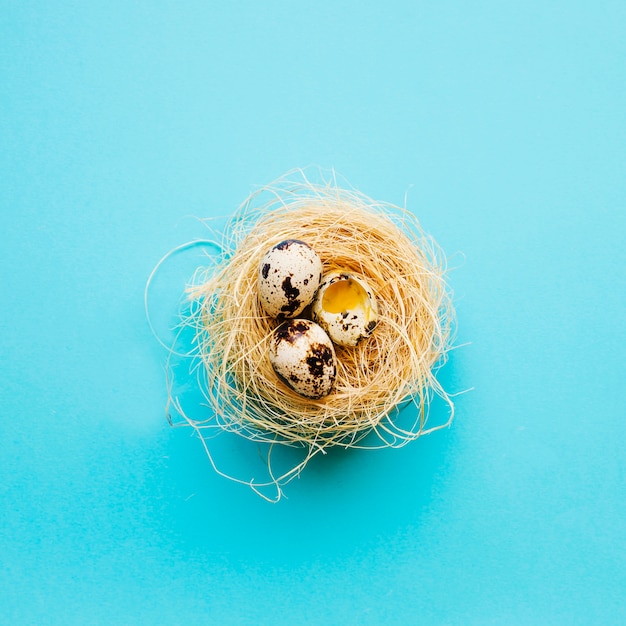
{"x": 346, "y": 308}
{"x": 289, "y": 275}
{"x": 303, "y": 356}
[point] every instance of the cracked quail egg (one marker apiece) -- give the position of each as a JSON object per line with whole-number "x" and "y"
{"x": 346, "y": 308}
{"x": 289, "y": 275}
{"x": 303, "y": 356}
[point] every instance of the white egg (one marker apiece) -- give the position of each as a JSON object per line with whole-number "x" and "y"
{"x": 303, "y": 356}
{"x": 289, "y": 275}
{"x": 346, "y": 308}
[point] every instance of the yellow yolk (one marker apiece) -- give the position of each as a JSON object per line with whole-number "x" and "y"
{"x": 343, "y": 296}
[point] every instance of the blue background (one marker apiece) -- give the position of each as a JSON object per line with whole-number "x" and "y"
{"x": 506, "y": 124}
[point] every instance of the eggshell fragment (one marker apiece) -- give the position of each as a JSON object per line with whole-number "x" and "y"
{"x": 289, "y": 275}
{"x": 303, "y": 356}
{"x": 345, "y": 307}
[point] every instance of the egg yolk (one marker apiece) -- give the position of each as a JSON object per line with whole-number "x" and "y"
{"x": 343, "y": 296}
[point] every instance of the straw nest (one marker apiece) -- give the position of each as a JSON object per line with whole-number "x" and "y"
{"x": 395, "y": 366}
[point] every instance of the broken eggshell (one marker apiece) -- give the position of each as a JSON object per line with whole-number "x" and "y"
{"x": 345, "y": 307}
{"x": 289, "y": 275}
{"x": 303, "y": 356}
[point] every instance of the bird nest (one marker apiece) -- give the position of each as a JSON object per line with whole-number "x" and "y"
{"x": 382, "y": 374}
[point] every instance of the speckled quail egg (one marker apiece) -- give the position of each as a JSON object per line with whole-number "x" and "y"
{"x": 303, "y": 356}
{"x": 345, "y": 308}
{"x": 289, "y": 275}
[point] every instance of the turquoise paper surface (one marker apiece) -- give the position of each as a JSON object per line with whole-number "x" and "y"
{"x": 503, "y": 128}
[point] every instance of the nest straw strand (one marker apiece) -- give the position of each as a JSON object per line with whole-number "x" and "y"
{"x": 381, "y": 243}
